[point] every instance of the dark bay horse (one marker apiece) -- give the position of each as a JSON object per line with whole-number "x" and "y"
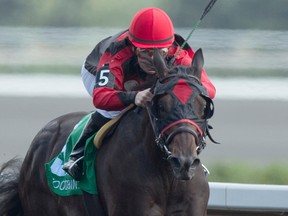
{"x": 149, "y": 166}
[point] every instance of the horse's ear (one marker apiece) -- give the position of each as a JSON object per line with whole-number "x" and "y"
{"x": 198, "y": 63}
{"x": 159, "y": 64}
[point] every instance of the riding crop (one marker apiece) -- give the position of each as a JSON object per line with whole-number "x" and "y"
{"x": 205, "y": 12}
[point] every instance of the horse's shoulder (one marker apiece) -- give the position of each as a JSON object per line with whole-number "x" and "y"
{"x": 53, "y": 134}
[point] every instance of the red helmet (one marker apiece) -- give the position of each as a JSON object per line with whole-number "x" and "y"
{"x": 151, "y": 28}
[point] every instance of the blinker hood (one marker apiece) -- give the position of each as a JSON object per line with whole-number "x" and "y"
{"x": 184, "y": 92}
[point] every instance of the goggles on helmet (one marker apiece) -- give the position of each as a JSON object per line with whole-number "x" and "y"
{"x": 150, "y": 51}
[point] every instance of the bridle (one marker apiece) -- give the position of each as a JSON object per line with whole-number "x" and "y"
{"x": 163, "y": 139}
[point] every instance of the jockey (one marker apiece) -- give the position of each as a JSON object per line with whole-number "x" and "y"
{"x": 116, "y": 65}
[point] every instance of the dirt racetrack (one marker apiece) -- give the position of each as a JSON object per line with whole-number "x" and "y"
{"x": 249, "y": 130}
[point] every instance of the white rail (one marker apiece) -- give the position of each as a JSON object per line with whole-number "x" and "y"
{"x": 248, "y": 197}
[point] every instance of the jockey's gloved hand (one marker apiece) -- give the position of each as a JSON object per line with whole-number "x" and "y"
{"x": 142, "y": 97}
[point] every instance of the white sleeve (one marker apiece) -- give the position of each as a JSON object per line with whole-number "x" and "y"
{"x": 88, "y": 80}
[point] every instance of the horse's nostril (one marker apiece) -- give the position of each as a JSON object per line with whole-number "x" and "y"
{"x": 175, "y": 162}
{"x": 196, "y": 162}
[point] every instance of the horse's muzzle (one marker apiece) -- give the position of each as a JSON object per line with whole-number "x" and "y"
{"x": 184, "y": 169}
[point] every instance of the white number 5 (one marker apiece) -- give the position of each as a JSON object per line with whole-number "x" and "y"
{"x": 103, "y": 78}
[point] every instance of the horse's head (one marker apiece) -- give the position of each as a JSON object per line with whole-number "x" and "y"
{"x": 179, "y": 111}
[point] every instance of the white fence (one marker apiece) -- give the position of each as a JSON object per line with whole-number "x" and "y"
{"x": 248, "y": 198}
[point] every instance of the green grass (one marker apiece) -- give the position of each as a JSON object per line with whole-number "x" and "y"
{"x": 276, "y": 173}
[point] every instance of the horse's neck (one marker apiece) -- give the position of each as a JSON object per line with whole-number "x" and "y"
{"x": 137, "y": 126}
{"x": 145, "y": 136}
{"x": 136, "y": 138}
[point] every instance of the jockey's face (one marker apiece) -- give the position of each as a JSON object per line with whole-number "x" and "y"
{"x": 145, "y": 57}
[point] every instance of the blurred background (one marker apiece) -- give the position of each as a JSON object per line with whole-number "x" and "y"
{"x": 245, "y": 43}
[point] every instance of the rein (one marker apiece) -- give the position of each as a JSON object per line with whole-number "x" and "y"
{"x": 159, "y": 141}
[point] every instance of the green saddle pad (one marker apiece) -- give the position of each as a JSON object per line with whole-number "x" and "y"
{"x": 59, "y": 181}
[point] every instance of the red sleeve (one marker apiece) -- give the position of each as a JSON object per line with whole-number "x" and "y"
{"x": 208, "y": 84}
{"x": 113, "y": 97}
{"x": 107, "y": 99}
{"x": 185, "y": 58}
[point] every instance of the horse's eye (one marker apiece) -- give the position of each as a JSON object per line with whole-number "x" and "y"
{"x": 163, "y": 105}
{"x": 204, "y": 111}
{"x": 161, "y": 109}
{"x": 204, "y": 104}
{"x": 200, "y": 107}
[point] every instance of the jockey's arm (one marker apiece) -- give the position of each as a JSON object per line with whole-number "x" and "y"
{"x": 112, "y": 100}
{"x": 109, "y": 93}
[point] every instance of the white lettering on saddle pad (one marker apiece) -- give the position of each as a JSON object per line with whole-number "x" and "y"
{"x": 65, "y": 184}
